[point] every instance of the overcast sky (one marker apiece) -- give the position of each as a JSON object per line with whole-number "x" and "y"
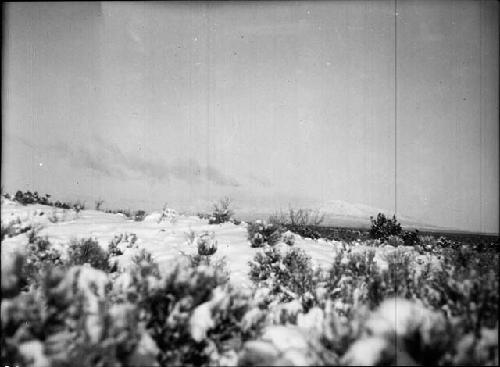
{"x": 272, "y": 103}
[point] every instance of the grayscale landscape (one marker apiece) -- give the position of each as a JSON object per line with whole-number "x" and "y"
{"x": 250, "y": 183}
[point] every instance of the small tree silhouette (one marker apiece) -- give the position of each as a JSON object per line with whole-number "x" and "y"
{"x": 383, "y": 227}
{"x": 222, "y": 213}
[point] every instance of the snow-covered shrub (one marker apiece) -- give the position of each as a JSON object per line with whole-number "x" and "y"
{"x": 421, "y": 336}
{"x": 193, "y": 314}
{"x": 207, "y": 244}
{"x": 219, "y": 263}
{"x": 14, "y": 228}
{"x": 382, "y": 227}
{"x": 221, "y": 212}
{"x": 260, "y": 232}
{"x": 465, "y": 286}
{"x": 288, "y": 238}
{"x": 114, "y": 250}
{"x": 40, "y": 256}
{"x": 87, "y": 251}
{"x": 70, "y": 320}
{"x": 288, "y": 275}
{"x": 168, "y": 215}
{"x": 353, "y": 278}
{"x": 400, "y": 279}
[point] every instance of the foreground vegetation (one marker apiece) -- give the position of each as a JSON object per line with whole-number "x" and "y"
{"x": 77, "y": 305}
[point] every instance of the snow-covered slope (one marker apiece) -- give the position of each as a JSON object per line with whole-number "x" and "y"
{"x": 166, "y": 240}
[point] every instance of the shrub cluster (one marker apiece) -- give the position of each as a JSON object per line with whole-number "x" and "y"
{"x": 447, "y": 307}
{"x": 40, "y": 256}
{"x": 88, "y": 251}
{"x": 303, "y": 222}
{"x": 390, "y": 230}
{"x": 14, "y": 228}
{"x": 204, "y": 216}
{"x": 57, "y": 312}
{"x": 129, "y": 214}
{"x": 382, "y": 227}
{"x": 288, "y": 275}
{"x": 28, "y": 197}
{"x": 260, "y": 233}
{"x": 222, "y": 212}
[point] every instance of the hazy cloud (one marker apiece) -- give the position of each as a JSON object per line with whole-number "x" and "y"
{"x": 108, "y": 159}
{"x": 262, "y": 181}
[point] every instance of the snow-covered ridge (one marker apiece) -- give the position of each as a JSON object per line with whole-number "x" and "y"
{"x": 166, "y": 240}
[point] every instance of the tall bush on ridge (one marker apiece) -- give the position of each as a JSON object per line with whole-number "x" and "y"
{"x": 300, "y": 221}
{"x": 222, "y": 212}
{"x": 383, "y": 227}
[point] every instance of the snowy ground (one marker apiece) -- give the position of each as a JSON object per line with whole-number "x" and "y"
{"x": 165, "y": 240}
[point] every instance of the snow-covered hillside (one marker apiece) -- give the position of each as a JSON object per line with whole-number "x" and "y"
{"x": 165, "y": 240}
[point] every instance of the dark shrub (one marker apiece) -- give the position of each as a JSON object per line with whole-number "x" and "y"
{"x": 139, "y": 215}
{"x": 411, "y": 238}
{"x": 222, "y": 212}
{"x": 260, "y": 233}
{"x": 88, "y": 251}
{"x": 98, "y": 204}
{"x": 170, "y": 307}
{"x": 40, "y": 257}
{"x": 382, "y": 227}
{"x": 61, "y": 205}
{"x": 204, "y": 216}
{"x": 291, "y": 274}
{"x": 31, "y": 198}
{"x": 207, "y": 244}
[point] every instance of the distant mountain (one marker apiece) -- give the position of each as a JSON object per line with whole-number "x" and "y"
{"x": 345, "y": 209}
{"x": 337, "y": 213}
{"x": 343, "y": 213}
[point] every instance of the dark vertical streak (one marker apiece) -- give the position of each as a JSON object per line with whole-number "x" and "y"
{"x": 480, "y": 119}
{"x": 4, "y": 38}
{"x": 395, "y": 152}
{"x": 395, "y": 107}
{"x": 31, "y": 87}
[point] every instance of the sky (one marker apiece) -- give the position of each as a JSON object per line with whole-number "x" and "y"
{"x": 275, "y": 104}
